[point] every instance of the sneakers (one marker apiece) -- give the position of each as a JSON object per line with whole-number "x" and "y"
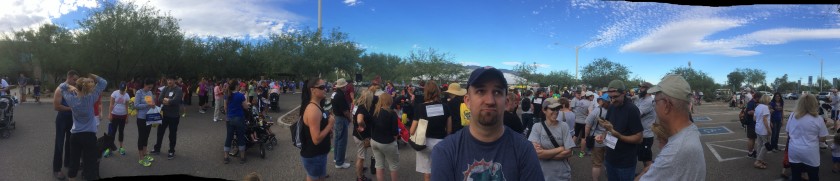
{"x": 752, "y": 154}
{"x": 227, "y": 160}
{"x": 122, "y": 151}
{"x": 201, "y": 111}
{"x": 145, "y": 163}
{"x": 242, "y": 160}
{"x": 155, "y": 152}
{"x": 823, "y": 145}
{"x": 170, "y": 156}
{"x": 344, "y": 166}
{"x": 580, "y": 154}
{"x": 215, "y": 119}
{"x": 149, "y": 158}
{"x": 183, "y": 115}
{"x": 107, "y": 153}
{"x": 363, "y": 178}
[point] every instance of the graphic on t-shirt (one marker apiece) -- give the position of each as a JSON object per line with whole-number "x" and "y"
{"x": 484, "y": 170}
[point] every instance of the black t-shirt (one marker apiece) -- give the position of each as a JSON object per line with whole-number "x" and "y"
{"x": 513, "y": 122}
{"x": 361, "y": 110}
{"x": 436, "y": 113}
{"x": 339, "y": 104}
{"x": 455, "y": 108}
{"x": 626, "y": 120}
{"x": 384, "y": 127}
{"x": 538, "y": 107}
{"x": 750, "y": 107}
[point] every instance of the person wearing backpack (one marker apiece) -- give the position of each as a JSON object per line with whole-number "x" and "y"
{"x": 527, "y": 112}
{"x": 315, "y": 130}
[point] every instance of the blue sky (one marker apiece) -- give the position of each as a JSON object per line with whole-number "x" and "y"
{"x": 650, "y": 38}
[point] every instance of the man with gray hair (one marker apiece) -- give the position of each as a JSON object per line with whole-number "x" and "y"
{"x": 682, "y": 157}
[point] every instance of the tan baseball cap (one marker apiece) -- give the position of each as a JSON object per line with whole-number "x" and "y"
{"x": 674, "y": 86}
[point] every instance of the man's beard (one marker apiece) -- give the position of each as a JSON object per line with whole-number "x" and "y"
{"x": 488, "y": 118}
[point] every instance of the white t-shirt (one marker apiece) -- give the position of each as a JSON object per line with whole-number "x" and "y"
{"x": 761, "y": 111}
{"x": 804, "y": 136}
{"x": 119, "y": 103}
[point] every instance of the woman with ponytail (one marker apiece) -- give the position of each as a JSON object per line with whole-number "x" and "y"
{"x": 316, "y": 130}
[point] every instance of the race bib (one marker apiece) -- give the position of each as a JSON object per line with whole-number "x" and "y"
{"x": 434, "y": 110}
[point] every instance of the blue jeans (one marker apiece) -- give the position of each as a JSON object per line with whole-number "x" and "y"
{"x": 340, "y": 130}
{"x": 620, "y": 174}
{"x": 774, "y": 136}
{"x": 63, "y": 123}
{"x": 235, "y": 124}
{"x": 316, "y": 167}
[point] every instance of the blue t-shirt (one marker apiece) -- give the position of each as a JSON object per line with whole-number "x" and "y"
{"x": 511, "y": 157}
{"x": 234, "y": 107}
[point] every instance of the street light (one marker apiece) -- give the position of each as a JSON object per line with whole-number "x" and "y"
{"x": 821, "y": 69}
{"x": 577, "y": 49}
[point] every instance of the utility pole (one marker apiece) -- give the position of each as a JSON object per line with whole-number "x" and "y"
{"x": 577, "y": 49}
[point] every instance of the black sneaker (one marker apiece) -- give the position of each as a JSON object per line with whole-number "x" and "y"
{"x": 753, "y": 154}
{"x": 227, "y": 160}
{"x": 170, "y": 156}
{"x": 155, "y": 152}
{"x": 363, "y": 178}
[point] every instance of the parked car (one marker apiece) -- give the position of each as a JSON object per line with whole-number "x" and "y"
{"x": 791, "y": 96}
{"x": 823, "y": 96}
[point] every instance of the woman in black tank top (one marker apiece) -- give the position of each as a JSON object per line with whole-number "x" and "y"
{"x": 316, "y": 130}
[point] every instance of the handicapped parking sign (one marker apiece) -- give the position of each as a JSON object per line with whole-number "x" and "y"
{"x": 715, "y": 130}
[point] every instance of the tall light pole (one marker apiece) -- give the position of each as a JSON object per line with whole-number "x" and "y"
{"x": 577, "y": 49}
{"x": 319, "y": 16}
{"x": 821, "y": 70}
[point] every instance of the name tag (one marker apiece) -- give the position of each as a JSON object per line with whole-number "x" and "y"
{"x": 434, "y": 110}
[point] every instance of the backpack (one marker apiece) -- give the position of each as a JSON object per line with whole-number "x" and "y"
{"x": 526, "y": 104}
{"x": 295, "y": 130}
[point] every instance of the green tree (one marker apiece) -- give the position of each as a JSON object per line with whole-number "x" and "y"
{"x": 754, "y": 77}
{"x": 124, "y": 39}
{"x": 385, "y": 65}
{"x": 698, "y": 80}
{"x": 433, "y": 65}
{"x": 600, "y": 72}
{"x": 735, "y": 79}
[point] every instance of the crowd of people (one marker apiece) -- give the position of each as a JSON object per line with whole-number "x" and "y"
{"x": 483, "y": 130}
{"x": 155, "y": 103}
{"x": 476, "y": 132}
{"x": 761, "y": 116}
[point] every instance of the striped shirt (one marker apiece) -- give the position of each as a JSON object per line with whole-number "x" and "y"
{"x": 83, "y": 116}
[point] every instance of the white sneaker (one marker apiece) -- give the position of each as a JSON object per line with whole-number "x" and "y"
{"x": 346, "y": 165}
{"x": 215, "y": 120}
{"x": 823, "y": 145}
{"x": 201, "y": 111}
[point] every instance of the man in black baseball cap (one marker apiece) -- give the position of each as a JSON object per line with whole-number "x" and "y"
{"x": 486, "y": 141}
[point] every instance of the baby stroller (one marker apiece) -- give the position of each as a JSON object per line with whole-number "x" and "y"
{"x": 257, "y": 130}
{"x": 275, "y": 99}
{"x": 7, "y": 122}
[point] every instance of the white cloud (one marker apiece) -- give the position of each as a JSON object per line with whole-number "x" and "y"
{"x": 539, "y": 65}
{"x": 689, "y": 36}
{"x": 511, "y": 63}
{"x": 470, "y": 63}
{"x": 352, "y": 2}
{"x": 27, "y": 14}
{"x": 228, "y": 18}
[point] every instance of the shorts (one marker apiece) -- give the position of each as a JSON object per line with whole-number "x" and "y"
{"x": 361, "y": 151}
{"x": 645, "y": 154}
{"x": 579, "y": 130}
{"x": 424, "y": 157}
{"x": 598, "y": 156}
{"x": 316, "y": 167}
{"x": 835, "y": 159}
{"x": 751, "y": 131}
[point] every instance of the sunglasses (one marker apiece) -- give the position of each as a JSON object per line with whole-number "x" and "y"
{"x": 322, "y": 87}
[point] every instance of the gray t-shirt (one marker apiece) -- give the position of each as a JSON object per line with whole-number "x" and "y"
{"x": 680, "y": 159}
{"x": 648, "y": 114}
{"x": 569, "y": 120}
{"x": 553, "y": 169}
{"x": 581, "y": 110}
{"x": 591, "y": 121}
